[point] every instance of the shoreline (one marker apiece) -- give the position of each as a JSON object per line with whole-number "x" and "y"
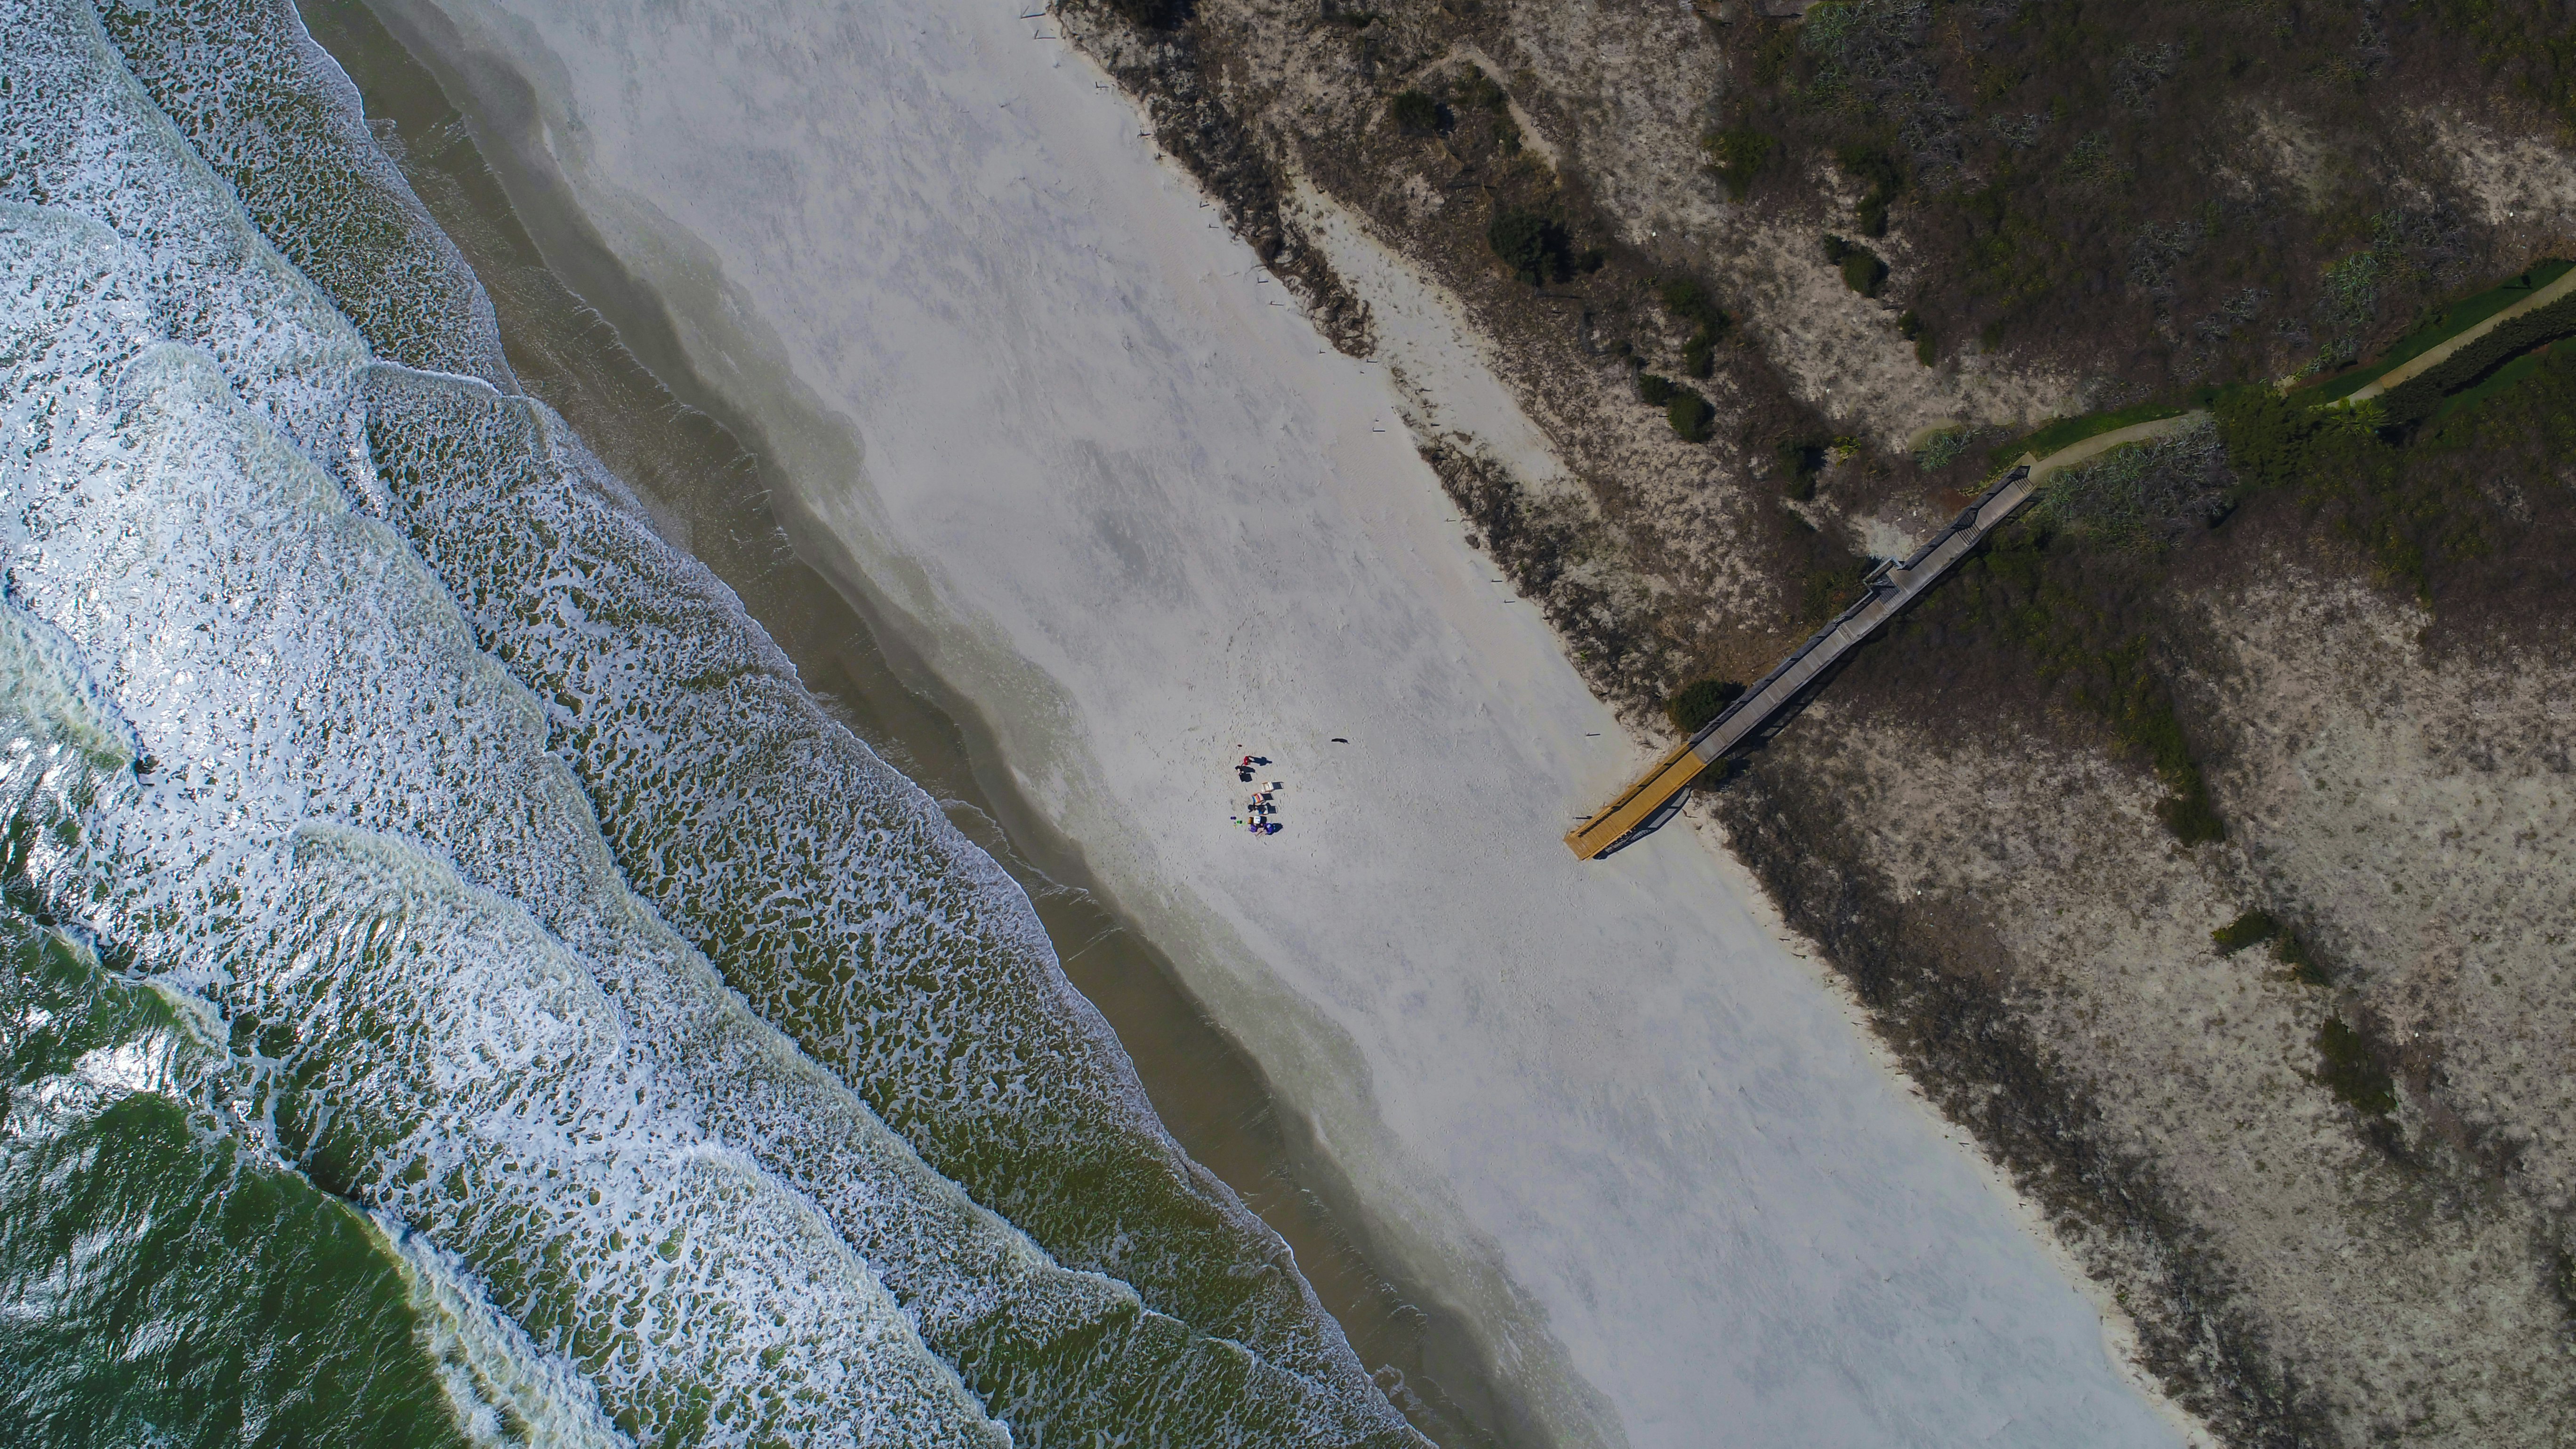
{"x": 608, "y": 343}
{"x": 1194, "y": 931}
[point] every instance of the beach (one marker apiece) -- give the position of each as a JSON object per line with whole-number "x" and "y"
{"x": 1089, "y": 466}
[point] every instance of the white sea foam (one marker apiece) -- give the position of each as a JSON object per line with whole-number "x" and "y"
{"x": 81, "y": 136}
{"x": 62, "y": 753}
{"x": 503, "y": 1389}
{"x": 287, "y": 660}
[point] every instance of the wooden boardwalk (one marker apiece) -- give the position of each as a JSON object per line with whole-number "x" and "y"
{"x": 1657, "y": 795}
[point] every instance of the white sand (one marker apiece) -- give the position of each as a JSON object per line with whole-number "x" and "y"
{"x": 1120, "y": 501}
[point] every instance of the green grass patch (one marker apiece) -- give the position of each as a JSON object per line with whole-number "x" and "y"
{"x": 2067, "y": 432}
{"x": 2450, "y": 322}
{"x": 2504, "y": 377}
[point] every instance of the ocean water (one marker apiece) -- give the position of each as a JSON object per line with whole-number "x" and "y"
{"x": 463, "y": 988}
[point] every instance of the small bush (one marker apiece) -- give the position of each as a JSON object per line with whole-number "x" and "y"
{"x": 1884, "y": 177}
{"x": 2304, "y": 966}
{"x": 2250, "y": 929}
{"x": 1477, "y": 89}
{"x": 2350, "y": 1071}
{"x": 1690, "y": 415}
{"x": 1153, "y": 14}
{"x": 1655, "y": 391}
{"x": 1800, "y": 460}
{"x": 1700, "y": 701}
{"x": 2266, "y": 434}
{"x": 1686, "y": 300}
{"x": 1942, "y": 449}
{"x": 1827, "y": 590}
{"x": 1913, "y": 329}
{"x": 1414, "y": 113}
{"x": 1737, "y": 155}
{"x": 2191, "y": 817}
{"x": 1863, "y": 272}
{"x": 1533, "y": 244}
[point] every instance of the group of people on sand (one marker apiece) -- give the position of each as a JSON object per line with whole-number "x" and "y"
{"x": 1257, "y": 812}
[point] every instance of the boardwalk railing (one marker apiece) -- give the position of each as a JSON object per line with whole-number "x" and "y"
{"x": 1761, "y": 711}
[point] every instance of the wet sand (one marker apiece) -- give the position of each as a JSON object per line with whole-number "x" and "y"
{"x": 568, "y": 317}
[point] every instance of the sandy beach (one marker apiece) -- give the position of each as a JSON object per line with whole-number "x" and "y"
{"x": 1094, "y": 469}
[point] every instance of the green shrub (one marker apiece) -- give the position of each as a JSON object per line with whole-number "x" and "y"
{"x": 1913, "y": 329}
{"x": 1654, "y": 391}
{"x": 2293, "y": 952}
{"x": 1533, "y": 244}
{"x": 1827, "y": 590}
{"x": 2266, "y": 435}
{"x": 2351, "y": 1071}
{"x": 1884, "y": 177}
{"x": 1414, "y": 113}
{"x": 2188, "y": 813}
{"x": 1153, "y": 14}
{"x": 2250, "y": 929}
{"x": 1738, "y": 154}
{"x": 1800, "y": 460}
{"x": 1863, "y": 272}
{"x": 1477, "y": 89}
{"x": 1700, "y": 701}
{"x": 1690, "y": 415}
{"x": 1686, "y": 300}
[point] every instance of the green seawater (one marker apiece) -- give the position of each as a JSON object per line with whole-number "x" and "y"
{"x": 159, "y": 1285}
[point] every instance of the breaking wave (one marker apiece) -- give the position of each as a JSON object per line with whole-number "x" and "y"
{"x": 539, "y": 1020}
